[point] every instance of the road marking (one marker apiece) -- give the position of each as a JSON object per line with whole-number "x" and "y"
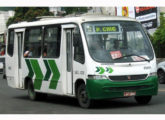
{"x": 161, "y": 90}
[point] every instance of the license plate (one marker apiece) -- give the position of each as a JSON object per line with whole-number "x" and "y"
{"x": 129, "y": 94}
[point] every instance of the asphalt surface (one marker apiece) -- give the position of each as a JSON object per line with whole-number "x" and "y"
{"x": 14, "y": 101}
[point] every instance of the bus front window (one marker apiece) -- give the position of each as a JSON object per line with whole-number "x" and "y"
{"x": 120, "y": 41}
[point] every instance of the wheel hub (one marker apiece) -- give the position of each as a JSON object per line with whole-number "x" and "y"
{"x": 84, "y": 97}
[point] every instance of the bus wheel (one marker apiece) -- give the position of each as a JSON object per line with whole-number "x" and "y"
{"x": 82, "y": 97}
{"x": 34, "y": 95}
{"x": 143, "y": 100}
{"x": 31, "y": 93}
{"x": 161, "y": 76}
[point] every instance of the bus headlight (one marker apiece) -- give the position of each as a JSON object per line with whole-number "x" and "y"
{"x": 153, "y": 74}
{"x": 97, "y": 77}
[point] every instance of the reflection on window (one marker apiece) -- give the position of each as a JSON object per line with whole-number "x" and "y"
{"x": 32, "y": 46}
{"x": 10, "y": 46}
{"x": 115, "y": 37}
{"x": 135, "y": 40}
{"x": 78, "y": 47}
{"x": 51, "y": 42}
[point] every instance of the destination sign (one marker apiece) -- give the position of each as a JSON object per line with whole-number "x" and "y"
{"x": 106, "y": 29}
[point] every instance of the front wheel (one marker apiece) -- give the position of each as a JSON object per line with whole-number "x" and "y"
{"x": 82, "y": 97}
{"x": 143, "y": 100}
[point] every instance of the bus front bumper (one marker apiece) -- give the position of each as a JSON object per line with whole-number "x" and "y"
{"x": 104, "y": 89}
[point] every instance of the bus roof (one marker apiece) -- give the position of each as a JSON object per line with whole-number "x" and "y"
{"x": 75, "y": 19}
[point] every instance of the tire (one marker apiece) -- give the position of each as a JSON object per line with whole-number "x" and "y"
{"x": 143, "y": 100}
{"x": 35, "y": 95}
{"x": 82, "y": 97}
{"x": 4, "y": 76}
{"x": 161, "y": 76}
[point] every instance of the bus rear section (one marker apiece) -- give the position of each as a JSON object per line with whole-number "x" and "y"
{"x": 41, "y": 58}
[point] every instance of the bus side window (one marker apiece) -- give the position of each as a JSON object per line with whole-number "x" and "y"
{"x": 10, "y": 47}
{"x": 2, "y": 44}
{"x": 78, "y": 47}
{"x": 32, "y": 45}
{"x": 51, "y": 47}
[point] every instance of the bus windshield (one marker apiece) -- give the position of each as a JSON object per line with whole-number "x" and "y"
{"x": 117, "y": 41}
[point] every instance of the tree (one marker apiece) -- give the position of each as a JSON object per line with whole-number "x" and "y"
{"x": 158, "y": 40}
{"x": 70, "y": 10}
{"x": 28, "y": 14}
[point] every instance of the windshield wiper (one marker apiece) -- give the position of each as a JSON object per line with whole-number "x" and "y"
{"x": 132, "y": 55}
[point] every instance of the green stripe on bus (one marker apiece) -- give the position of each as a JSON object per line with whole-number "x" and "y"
{"x": 31, "y": 73}
{"x": 56, "y": 74}
{"x": 48, "y": 72}
{"x": 38, "y": 73}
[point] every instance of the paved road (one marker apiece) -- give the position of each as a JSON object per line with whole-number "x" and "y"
{"x": 13, "y": 101}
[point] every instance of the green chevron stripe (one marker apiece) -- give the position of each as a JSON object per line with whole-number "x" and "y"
{"x": 110, "y": 70}
{"x": 48, "y": 72}
{"x": 38, "y": 73}
{"x": 31, "y": 73}
{"x": 101, "y": 70}
{"x": 56, "y": 74}
{"x": 97, "y": 69}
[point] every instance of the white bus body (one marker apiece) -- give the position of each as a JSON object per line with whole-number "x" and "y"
{"x": 62, "y": 62}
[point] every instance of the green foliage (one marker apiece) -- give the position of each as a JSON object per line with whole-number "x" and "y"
{"x": 158, "y": 40}
{"x": 28, "y": 14}
{"x": 70, "y": 10}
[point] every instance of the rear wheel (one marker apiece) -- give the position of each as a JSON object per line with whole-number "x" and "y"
{"x": 143, "y": 100}
{"x": 82, "y": 97}
{"x": 34, "y": 95}
{"x": 161, "y": 76}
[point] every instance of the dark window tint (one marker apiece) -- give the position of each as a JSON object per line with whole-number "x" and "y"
{"x": 78, "y": 47}
{"x": 10, "y": 47}
{"x": 2, "y": 44}
{"x": 52, "y": 40}
{"x": 69, "y": 51}
{"x": 32, "y": 45}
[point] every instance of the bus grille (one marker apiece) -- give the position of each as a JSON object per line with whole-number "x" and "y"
{"x": 128, "y": 77}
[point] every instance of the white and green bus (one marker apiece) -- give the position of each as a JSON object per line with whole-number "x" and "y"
{"x": 87, "y": 57}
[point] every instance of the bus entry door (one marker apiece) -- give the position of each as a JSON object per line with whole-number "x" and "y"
{"x": 69, "y": 61}
{"x": 19, "y": 40}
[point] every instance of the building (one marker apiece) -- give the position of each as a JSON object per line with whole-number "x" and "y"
{"x": 4, "y": 16}
{"x": 57, "y": 11}
{"x": 102, "y": 10}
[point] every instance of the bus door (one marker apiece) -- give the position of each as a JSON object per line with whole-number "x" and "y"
{"x": 19, "y": 40}
{"x": 67, "y": 32}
